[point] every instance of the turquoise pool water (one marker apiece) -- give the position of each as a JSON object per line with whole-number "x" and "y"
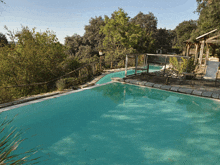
{"x": 121, "y": 74}
{"x": 122, "y": 124}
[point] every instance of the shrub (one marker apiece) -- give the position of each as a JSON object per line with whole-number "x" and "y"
{"x": 183, "y": 65}
{"x": 60, "y": 84}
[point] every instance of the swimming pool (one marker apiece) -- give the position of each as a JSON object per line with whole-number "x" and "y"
{"x": 121, "y": 74}
{"x": 122, "y": 124}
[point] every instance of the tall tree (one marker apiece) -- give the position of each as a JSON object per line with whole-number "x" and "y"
{"x": 121, "y": 35}
{"x": 92, "y": 37}
{"x": 148, "y": 24}
{"x": 73, "y": 43}
{"x": 164, "y": 38}
{"x": 183, "y": 32}
{"x": 209, "y": 15}
{"x": 119, "y": 32}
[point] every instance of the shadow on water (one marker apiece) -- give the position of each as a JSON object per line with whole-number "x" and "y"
{"x": 123, "y": 124}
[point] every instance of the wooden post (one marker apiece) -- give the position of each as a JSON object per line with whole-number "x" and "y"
{"x": 93, "y": 69}
{"x": 201, "y": 52}
{"x": 207, "y": 53}
{"x": 187, "y": 64}
{"x": 126, "y": 65}
{"x": 148, "y": 66}
{"x": 165, "y": 65}
{"x": 187, "y": 50}
{"x": 146, "y": 62}
{"x": 136, "y": 62}
{"x": 196, "y": 53}
{"x": 100, "y": 63}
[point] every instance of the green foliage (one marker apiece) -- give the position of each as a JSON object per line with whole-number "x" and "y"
{"x": 119, "y": 32}
{"x": 121, "y": 36}
{"x": 6, "y": 95}
{"x": 9, "y": 142}
{"x": 164, "y": 38}
{"x": 183, "y": 32}
{"x": 70, "y": 63}
{"x": 3, "y": 40}
{"x": 73, "y": 43}
{"x": 92, "y": 37}
{"x": 36, "y": 58}
{"x": 209, "y": 16}
{"x": 84, "y": 54}
{"x": 148, "y": 24}
{"x": 181, "y": 66}
{"x": 60, "y": 84}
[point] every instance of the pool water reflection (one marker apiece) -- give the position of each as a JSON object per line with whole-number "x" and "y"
{"x": 122, "y": 124}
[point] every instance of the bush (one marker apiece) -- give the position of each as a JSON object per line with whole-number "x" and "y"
{"x": 121, "y": 64}
{"x": 183, "y": 65}
{"x": 60, "y": 84}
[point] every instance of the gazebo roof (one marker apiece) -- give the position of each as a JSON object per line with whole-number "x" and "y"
{"x": 206, "y": 34}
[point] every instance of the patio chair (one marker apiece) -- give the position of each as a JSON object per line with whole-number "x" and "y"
{"x": 211, "y": 71}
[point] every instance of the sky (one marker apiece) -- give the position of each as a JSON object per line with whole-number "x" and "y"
{"x": 68, "y": 17}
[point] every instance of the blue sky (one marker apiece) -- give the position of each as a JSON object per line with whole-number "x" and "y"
{"x": 67, "y": 17}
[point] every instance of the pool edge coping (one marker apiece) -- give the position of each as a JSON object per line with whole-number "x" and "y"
{"x": 185, "y": 91}
{"x": 36, "y": 99}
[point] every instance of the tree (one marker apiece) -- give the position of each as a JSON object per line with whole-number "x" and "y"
{"x": 84, "y": 54}
{"x": 36, "y": 58}
{"x": 164, "y": 38}
{"x": 3, "y": 40}
{"x": 119, "y": 32}
{"x": 92, "y": 37}
{"x": 120, "y": 35}
{"x": 73, "y": 43}
{"x": 209, "y": 16}
{"x": 148, "y": 24}
{"x": 183, "y": 32}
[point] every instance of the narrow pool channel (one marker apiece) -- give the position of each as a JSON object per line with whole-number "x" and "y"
{"x": 121, "y": 74}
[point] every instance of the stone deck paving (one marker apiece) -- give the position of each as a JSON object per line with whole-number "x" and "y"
{"x": 173, "y": 88}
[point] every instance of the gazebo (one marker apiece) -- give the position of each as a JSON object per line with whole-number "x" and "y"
{"x": 207, "y": 40}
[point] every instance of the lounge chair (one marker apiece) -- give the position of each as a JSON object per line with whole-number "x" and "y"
{"x": 211, "y": 71}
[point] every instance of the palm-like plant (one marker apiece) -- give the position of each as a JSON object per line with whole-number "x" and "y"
{"x": 9, "y": 142}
